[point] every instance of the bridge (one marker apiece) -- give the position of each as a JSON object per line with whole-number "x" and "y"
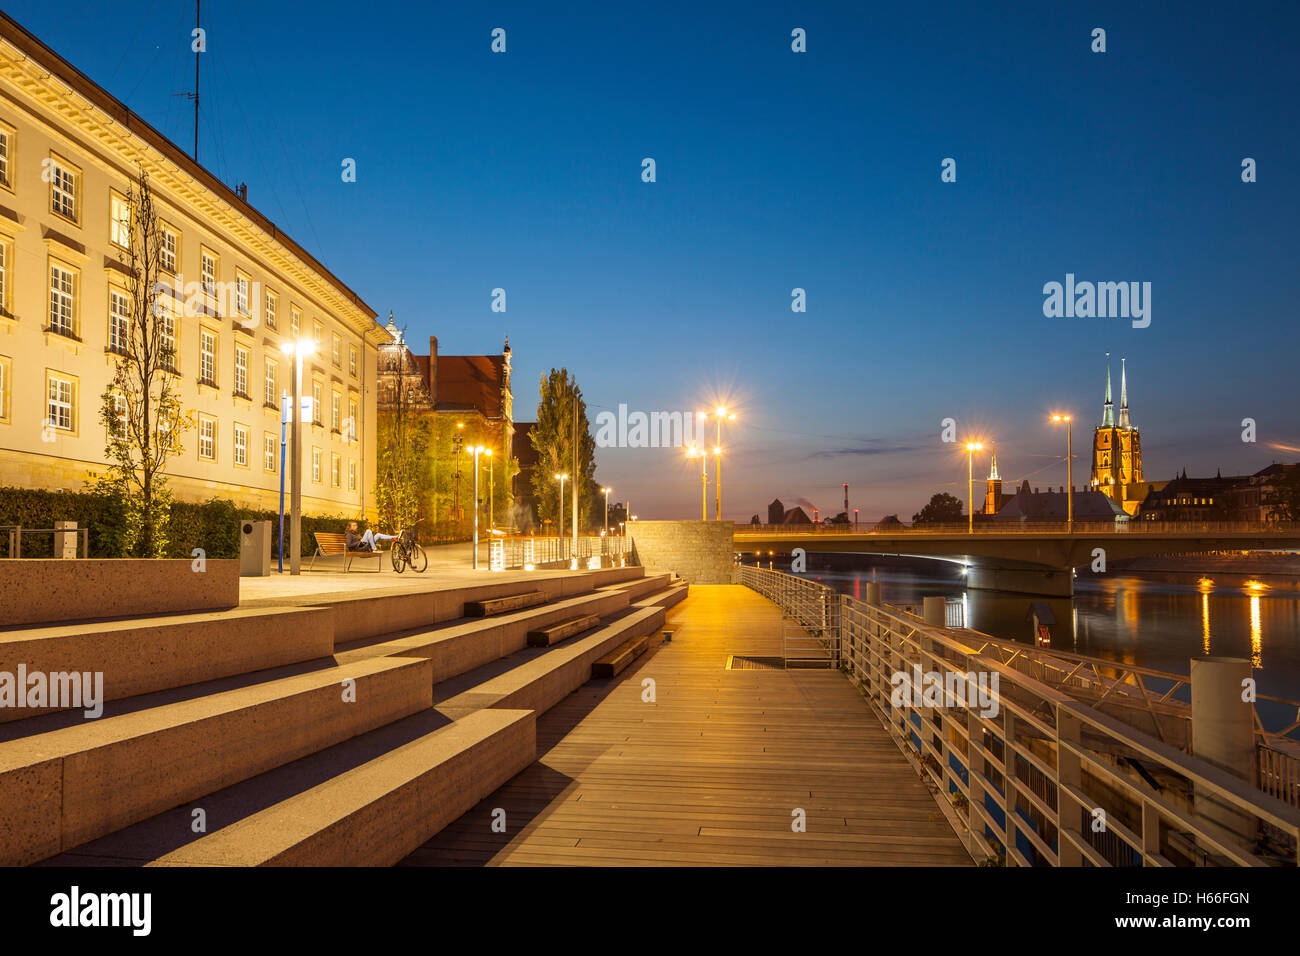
{"x": 1031, "y": 558}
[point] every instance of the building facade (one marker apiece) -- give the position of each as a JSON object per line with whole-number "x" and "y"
{"x": 234, "y": 289}
{"x": 1117, "y": 451}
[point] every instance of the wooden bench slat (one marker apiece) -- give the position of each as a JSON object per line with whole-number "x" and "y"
{"x": 618, "y": 659}
{"x": 330, "y": 544}
{"x": 501, "y": 605}
{"x": 546, "y": 636}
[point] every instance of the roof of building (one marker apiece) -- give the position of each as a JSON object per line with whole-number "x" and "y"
{"x": 796, "y": 515}
{"x": 15, "y": 33}
{"x": 1054, "y": 506}
{"x": 470, "y": 381}
{"x": 525, "y": 453}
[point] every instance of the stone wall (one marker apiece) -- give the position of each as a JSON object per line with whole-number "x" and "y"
{"x": 700, "y": 552}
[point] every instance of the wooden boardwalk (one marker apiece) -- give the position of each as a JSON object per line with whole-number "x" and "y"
{"x": 711, "y": 772}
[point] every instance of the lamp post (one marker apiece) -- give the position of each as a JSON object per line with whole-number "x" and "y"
{"x": 971, "y": 448}
{"x": 478, "y": 450}
{"x": 297, "y": 349}
{"x": 1069, "y": 471}
{"x": 694, "y": 452}
{"x": 720, "y": 415}
{"x": 607, "y": 491}
{"x": 562, "y": 479}
{"x": 492, "y": 518}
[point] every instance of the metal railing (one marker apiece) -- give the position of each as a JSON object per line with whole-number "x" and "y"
{"x": 15, "y": 533}
{"x": 1033, "y": 775}
{"x": 527, "y": 551}
{"x": 1081, "y": 526}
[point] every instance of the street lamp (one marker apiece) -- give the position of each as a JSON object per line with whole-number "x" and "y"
{"x": 694, "y": 452}
{"x": 298, "y": 349}
{"x": 607, "y": 491}
{"x": 562, "y": 480}
{"x": 720, "y": 415}
{"x": 1069, "y": 470}
{"x": 492, "y": 518}
{"x": 971, "y": 448}
{"x": 477, "y": 450}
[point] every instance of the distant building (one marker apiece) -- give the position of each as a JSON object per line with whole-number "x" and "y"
{"x": 1089, "y": 506}
{"x": 1117, "y": 451}
{"x": 526, "y": 456}
{"x": 795, "y": 515}
{"x": 776, "y": 512}
{"x": 1247, "y": 498}
{"x": 994, "y": 499}
{"x": 1191, "y": 499}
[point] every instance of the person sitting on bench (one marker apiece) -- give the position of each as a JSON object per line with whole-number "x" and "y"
{"x": 364, "y": 542}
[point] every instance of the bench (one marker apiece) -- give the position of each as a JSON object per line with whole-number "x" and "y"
{"x": 502, "y": 605}
{"x": 546, "y": 636}
{"x": 331, "y": 545}
{"x": 616, "y": 660}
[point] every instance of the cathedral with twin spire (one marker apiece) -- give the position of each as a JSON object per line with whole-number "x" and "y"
{"x": 1117, "y": 450}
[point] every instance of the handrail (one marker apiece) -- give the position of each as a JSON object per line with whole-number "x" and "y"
{"x": 15, "y": 535}
{"x": 1280, "y": 529}
{"x": 1045, "y": 777}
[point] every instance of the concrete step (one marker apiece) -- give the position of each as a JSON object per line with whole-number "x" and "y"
{"x": 617, "y": 660}
{"x": 64, "y": 787}
{"x": 546, "y": 636}
{"x": 143, "y": 655}
{"x": 538, "y": 678}
{"x": 667, "y": 597}
{"x": 638, "y": 589}
{"x": 504, "y": 604}
{"x": 379, "y": 812}
{"x": 468, "y": 643}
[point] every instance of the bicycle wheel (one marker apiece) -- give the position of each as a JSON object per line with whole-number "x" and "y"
{"x": 399, "y": 558}
{"x": 419, "y": 560}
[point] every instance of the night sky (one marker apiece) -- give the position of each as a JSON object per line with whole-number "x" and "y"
{"x": 778, "y": 170}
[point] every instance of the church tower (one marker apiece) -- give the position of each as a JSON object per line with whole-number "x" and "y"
{"x": 993, "y": 497}
{"x": 1117, "y": 450}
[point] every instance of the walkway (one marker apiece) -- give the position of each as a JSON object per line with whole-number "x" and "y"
{"x": 711, "y": 772}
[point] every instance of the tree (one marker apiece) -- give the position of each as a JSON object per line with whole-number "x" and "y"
{"x": 552, "y": 438}
{"x": 141, "y": 408}
{"x": 1283, "y": 496}
{"x": 402, "y": 438}
{"x": 942, "y": 509}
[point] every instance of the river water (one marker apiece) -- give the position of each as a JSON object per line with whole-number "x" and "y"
{"x": 1149, "y": 620}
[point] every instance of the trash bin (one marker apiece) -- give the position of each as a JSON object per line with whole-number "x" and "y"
{"x": 254, "y": 549}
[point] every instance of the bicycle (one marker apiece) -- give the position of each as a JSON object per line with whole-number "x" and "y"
{"x": 406, "y": 552}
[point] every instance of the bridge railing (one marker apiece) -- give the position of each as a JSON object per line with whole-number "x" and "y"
{"x": 524, "y": 551}
{"x": 1134, "y": 526}
{"x": 1028, "y": 774}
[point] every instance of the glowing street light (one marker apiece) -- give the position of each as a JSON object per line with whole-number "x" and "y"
{"x": 971, "y": 448}
{"x": 298, "y": 349}
{"x": 562, "y": 479}
{"x": 477, "y": 450}
{"x": 720, "y": 415}
{"x": 492, "y": 519}
{"x": 607, "y": 491}
{"x": 694, "y": 452}
{"x": 1069, "y": 470}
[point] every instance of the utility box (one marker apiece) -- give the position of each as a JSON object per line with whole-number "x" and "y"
{"x": 65, "y": 539}
{"x": 254, "y": 549}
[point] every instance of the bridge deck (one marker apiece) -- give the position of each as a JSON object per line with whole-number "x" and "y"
{"x": 711, "y": 772}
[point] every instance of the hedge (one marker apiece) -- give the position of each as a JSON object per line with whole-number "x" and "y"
{"x": 212, "y": 525}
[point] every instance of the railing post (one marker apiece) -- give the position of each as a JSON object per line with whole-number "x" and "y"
{"x": 1069, "y": 773}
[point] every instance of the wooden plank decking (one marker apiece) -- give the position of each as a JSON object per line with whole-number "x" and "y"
{"x": 709, "y": 773}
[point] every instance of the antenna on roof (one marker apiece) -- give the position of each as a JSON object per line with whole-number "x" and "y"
{"x": 199, "y": 44}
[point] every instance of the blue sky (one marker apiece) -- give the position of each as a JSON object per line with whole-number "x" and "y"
{"x": 779, "y": 170}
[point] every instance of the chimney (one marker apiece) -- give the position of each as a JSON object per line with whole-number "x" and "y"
{"x": 433, "y": 368}
{"x": 242, "y": 190}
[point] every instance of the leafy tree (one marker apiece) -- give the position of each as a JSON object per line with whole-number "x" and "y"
{"x": 552, "y": 437}
{"x": 942, "y": 509}
{"x": 1283, "y": 497}
{"x": 402, "y": 438}
{"x": 141, "y": 408}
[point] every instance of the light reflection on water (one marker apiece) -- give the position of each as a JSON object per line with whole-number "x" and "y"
{"x": 1124, "y": 618}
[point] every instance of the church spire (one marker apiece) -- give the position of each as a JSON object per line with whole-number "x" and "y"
{"x": 1123, "y": 395}
{"x": 1108, "y": 416}
{"x": 993, "y": 469}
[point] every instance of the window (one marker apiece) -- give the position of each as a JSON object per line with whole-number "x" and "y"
{"x": 166, "y": 332}
{"x": 242, "y": 305}
{"x": 270, "y": 310}
{"x": 337, "y": 355}
{"x": 272, "y": 384}
{"x": 208, "y": 271}
{"x": 352, "y": 474}
{"x": 6, "y": 375}
{"x": 350, "y": 429}
{"x": 119, "y": 224}
{"x": 61, "y": 392}
{"x": 207, "y": 437}
{"x": 117, "y": 425}
{"x": 316, "y": 403}
{"x": 241, "y": 445}
{"x": 315, "y": 465}
{"x": 241, "y": 371}
{"x": 335, "y": 470}
{"x": 6, "y": 259}
{"x": 6, "y": 157}
{"x": 64, "y": 179}
{"x": 119, "y": 320}
{"x": 169, "y": 243}
{"x": 269, "y": 458}
{"x": 207, "y": 358}
{"x": 63, "y": 300}
{"x": 295, "y": 321}
{"x": 336, "y": 411}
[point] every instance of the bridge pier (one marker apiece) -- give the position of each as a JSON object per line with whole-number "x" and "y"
{"x": 1047, "y": 582}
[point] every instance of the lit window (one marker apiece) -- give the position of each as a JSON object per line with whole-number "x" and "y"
{"x": 119, "y": 226}
{"x": 350, "y": 432}
{"x": 316, "y": 403}
{"x": 63, "y": 189}
{"x": 117, "y": 425}
{"x": 295, "y": 321}
{"x": 60, "y": 403}
{"x": 168, "y": 243}
{"x": 336, "y": 411}
{"x": 315, "y": 465}
{"x": 241, "y": 371}
{"x": 335, "y": 470}
{"x": 352, "y": 359}
{"x": 352, "y": 474}
{"x": 166, "y": 332}
{"x": 241, "y": 294}
{"x": 271, "y": 304}
{"x": 207, "y": 437}
{"x": 272, "y": 374}
{"x": 241, "y": 445}
{"x": 208, "y": 271}
{"x": 4, "y": 274}
{"x": 269, "y": 461}
{"x": 119, "y": 320}
{"x": 5, "y": 375}
{"x": 338, "y": 352}
{"x": 316, "y": 333}
{"x": 63, "y": 298}
{"x": 6, "y": 157}
{"x": 207, "y": 358}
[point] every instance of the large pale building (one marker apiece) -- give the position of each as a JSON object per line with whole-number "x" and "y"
{"x": 69, "y": 156}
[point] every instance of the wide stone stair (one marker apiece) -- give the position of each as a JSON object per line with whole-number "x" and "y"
{"x": 344, "y": 731}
